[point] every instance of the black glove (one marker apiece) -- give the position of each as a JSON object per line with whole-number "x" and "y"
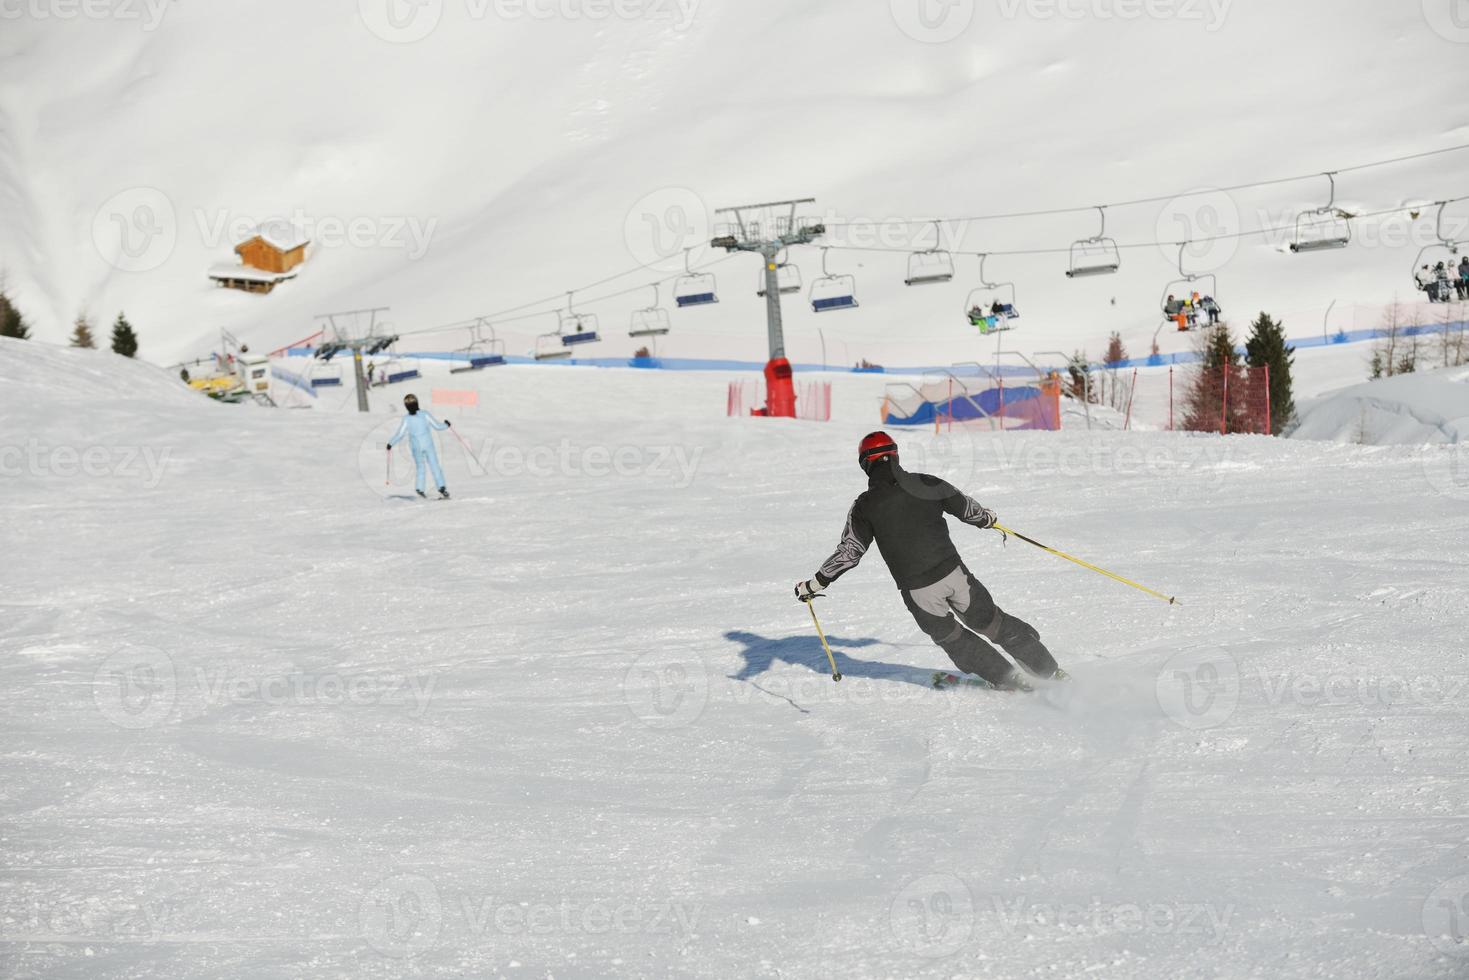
{"x": 448, "y": 424}
{"x": 809, "y": 589}
{"x": 390, "y": 447}
{"x": 988, "y": 518}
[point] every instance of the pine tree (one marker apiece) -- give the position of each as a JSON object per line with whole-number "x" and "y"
{"x": 1204, "y": 400}
{"x": 124, "y": 340}
{"x": 1266, "y": 348}
{"x": 12, "y": 324}
{"x": 81, "y": 335}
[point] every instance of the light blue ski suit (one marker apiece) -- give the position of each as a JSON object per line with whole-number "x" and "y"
{"x": 417, "y": 428}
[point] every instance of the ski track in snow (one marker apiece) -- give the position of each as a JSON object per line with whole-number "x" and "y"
{"x": 552, "y": 767}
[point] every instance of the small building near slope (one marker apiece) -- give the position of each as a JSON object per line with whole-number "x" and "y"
{"x": 268, "y": 257}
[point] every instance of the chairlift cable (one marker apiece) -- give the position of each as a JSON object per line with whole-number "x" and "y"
{"x": 503, "y": 317}
{"x": 559, "y": 298}
{"x": 1050, "y": 212}
{"x": 1274, "y": 229}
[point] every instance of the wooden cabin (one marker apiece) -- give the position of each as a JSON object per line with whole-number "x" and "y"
{"x": 268, "y": 257}
{"x": 274, "y": 249}
{"x": 247, "y": 279}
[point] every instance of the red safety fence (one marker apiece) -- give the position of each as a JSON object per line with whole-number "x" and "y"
{"x": 813, "y": 400}
{"x": 1231, "y": 400}
{"x": 1222, "y": 400}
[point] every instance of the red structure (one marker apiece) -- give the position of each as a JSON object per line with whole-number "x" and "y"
{"x": 811, "y": 402}
{"x": 780, "y": 390}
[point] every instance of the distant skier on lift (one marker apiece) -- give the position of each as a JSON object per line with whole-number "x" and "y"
{"x": 416, "y": 426}
{"x": 904, "y": 512}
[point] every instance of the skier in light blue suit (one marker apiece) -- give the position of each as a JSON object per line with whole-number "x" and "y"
{"x": 417, "y": 427}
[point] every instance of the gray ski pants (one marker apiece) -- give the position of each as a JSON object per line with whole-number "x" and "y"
{"x": 958, "y": 614}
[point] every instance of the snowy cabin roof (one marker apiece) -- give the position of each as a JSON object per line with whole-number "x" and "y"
{"x": 279, "y": 235}
{"x": 246, "y": 274}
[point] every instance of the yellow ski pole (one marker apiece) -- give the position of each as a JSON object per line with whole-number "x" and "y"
{"x": 1172, "y": 601}
{"x": 836, "y": 675}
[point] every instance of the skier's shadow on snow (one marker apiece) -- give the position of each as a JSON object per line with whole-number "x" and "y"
{"x": 761, "y": 652}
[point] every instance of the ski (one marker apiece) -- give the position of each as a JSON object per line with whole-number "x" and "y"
{"x": 943, "y": 680}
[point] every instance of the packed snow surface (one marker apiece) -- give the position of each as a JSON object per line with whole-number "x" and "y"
{"x": 266, "y": 715}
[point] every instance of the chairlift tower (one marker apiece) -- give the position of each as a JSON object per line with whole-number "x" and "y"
{"x": 343, "y": 339}
{"x": 769, "y": 229}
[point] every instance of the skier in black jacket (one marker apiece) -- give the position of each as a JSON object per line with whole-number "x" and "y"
{"x": 904, "y": 512}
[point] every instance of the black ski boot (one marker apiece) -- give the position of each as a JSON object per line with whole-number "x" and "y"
{"x": 443, "y": 493}
{"x": 1015, "y": 681}
{"x": 421, "y": 494}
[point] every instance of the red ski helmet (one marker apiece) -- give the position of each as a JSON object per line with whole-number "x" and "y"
{"x": 873, "y": 447}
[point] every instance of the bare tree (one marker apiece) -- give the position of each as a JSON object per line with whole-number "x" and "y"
{"x": 1385, "y": 349}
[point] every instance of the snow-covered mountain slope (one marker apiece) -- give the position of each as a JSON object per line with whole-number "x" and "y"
{"x": 1410, "y": 409}
{"x": 263, "y": 718}
{"x": 459, "y": 157}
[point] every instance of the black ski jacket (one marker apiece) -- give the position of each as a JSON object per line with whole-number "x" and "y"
{"x": 904, "y": 512}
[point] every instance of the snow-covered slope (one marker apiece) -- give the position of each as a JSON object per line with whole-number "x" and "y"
{"x": 457, "y": 158}
{"x": 263, "y": 718}
{"x": 1410, "y": 409}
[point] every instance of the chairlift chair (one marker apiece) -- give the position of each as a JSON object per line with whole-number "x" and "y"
{"x": 1323, "y": 228}
{"x": 787, "y": 277}
{"x": 651, "y": 321}
{"x": 395, "y": 369}
{"x": 579, "y": 337}
{"x": 1444, "y": 243}
{"x": 1187, "y": 283}
{"x": 576, "y": 328}
{"x": 832, "y": 292}
{"x": 326, "y": 376}
{"x": 481, "y": 353}
{"x": 694, "y": 288}
{"x": 1095, "y": 256}
{"x": 930, "y": 266}
{"x": 986, "y": 309}
{"x": 549, "y": 347}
